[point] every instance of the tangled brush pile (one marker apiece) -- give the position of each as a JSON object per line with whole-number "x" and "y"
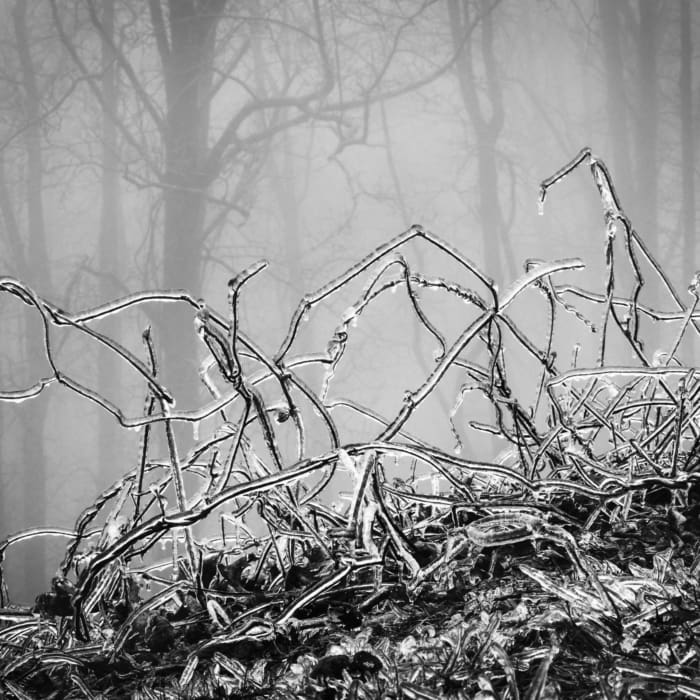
{"x": 567, "y": 569}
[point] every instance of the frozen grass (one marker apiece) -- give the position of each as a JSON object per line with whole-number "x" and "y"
{"x": 568, "y": 569}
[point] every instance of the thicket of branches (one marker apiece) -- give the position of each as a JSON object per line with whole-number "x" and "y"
{"x": 569, "y": 569}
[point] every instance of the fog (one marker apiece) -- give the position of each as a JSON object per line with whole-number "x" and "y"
{"x": 172, "y": 145}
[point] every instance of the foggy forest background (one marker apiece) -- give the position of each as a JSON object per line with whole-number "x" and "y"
{"x": 169, "y": 144}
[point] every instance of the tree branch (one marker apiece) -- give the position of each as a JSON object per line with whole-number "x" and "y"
{"x": 229, "y": 134}
{"x": 160, "y": 33}
{"x": 127, "y": 68}
{"x": 97, "y": 92}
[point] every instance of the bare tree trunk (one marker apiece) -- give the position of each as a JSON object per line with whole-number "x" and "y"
{"x": 33, "y": 413}
{"x": 647, "y": 127}
{"x": 111, "y": 246}
{"x": 283, "y": 179}
{"x": 11, "y": 225}
{"x": 687, "y": 145}
{"x": 14, "y": 245}
{"x": 487, "y": 129}
{"x": 647, "y": 121}
{"x": 187, "y": 52}
{"x": 487, "y": 121}
{"x": 615, "y": 96}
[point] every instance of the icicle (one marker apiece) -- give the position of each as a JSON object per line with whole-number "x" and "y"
{"x": 574, "y": 354}
{"x": 610, "y": 227}
{"x": 346, "y": 461}
{"x": 612, "y": 389}
{"x": 349, "y": 314}
{"x": 659, "y": 358}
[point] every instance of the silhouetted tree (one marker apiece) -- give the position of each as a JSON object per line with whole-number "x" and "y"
{"x": 111, "y": 240}
{"x": 687, "y": 141}
{"x": 486, "y": 116}
{"x": 647, "y": 121}
{"x": 35, "y": 269}
{"x": 201, "y": 133}
{"x": 615, "y": 93}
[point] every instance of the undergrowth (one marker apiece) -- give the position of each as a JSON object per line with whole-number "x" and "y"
{"x": 568, "y": 568}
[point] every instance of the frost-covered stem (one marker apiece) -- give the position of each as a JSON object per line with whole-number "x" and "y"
{"x": 154, "y": 603}
{"x": 231, "y": 458}
{"x": 250, "y": 394}
{"x": 623, "y": 302}
{"x": 234, "y": 287}
{"x": 687, "y": 317}
{"x": 547, "y": 289}
{"x": 584, "y": 154}
{"x": 296, "y": 513}
{"x": 413, "y": 297}
{"x": 317, "y": 590}
{"x": 175, "y": 467}
{"x": 397, "y": 537}
{"x": 314, "y": 298}
{"x": 413, "y": 399}
{"x": 337, "y": 345}
{"x": 609, "y": 290}
{"x": 310, "y": 300}
{"x": 633, "y": 241}
{"x": 683, "y": 383}
{"x": 150, "y": 407}
{"x": 51, "y": 314}
{"x": 361, "y": 473}
{"x": 91, "y": 512}
{"x": 151, "y": 529}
